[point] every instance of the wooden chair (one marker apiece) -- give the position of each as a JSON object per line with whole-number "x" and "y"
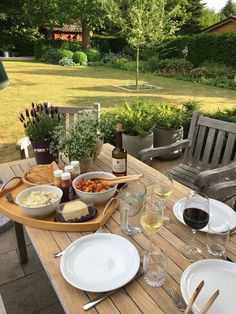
{"x": 71, "y": 114}
{"x": 209, "y": 159}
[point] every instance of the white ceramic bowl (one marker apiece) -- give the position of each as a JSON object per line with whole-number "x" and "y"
{"x": 94, "y": 197}
{"x": 39, "y": 211}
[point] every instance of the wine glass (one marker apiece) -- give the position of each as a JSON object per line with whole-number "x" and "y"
{"x": 162, "y": 188}
{"x": 196, "y": 216}
{"x": 151, "y": 220}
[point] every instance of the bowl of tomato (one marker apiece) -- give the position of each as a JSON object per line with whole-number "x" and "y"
{"x": 93, "y": 191}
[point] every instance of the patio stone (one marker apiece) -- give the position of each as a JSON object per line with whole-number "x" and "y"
{"x": 54, "y": 309}
{"x": 8, "y": 240}
{"x": 10, "y": 268}
{"x": 28, "y": 295}
{"x": 34, "y": 264}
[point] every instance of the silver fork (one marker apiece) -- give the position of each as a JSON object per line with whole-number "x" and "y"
{"x": 179, "y": 302}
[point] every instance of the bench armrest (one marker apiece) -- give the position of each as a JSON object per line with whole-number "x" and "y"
{"x": 224, "y": 173}
{"x": 22, "y": 145}
{"x": 222, "y": 190}
{"x": 148, "y": 153}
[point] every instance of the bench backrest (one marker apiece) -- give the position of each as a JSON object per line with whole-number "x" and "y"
{"x": 213, "y": 143}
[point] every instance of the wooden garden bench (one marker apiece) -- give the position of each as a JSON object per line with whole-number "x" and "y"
{"x": 209, "y": 158}
{"x": 71, "y": 114}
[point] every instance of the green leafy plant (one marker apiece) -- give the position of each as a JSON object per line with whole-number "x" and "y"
{"x": 167, "y": 117}
{"x": 40, "y": 121}
{"x": 135, "y": 117}
{"x": 93, "y": 55}
{"x": 80, "y": 57}
{"x": 80, "y": 139}
{"x": 66, "y": 62}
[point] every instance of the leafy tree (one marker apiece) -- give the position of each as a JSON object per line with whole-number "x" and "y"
{"x": 208, "y": 18}
{"x": 229, "y": 9}
{"x": 146, "y": 23}
{"x": 194, "y": 11}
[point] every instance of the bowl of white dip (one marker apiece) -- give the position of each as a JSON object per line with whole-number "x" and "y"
{"x": 39, "y": 201}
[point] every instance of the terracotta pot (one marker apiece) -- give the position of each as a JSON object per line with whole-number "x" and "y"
{"x": 42, "y": 152}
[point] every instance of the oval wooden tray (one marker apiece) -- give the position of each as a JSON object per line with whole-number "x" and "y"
{"x": 14, "y": 212}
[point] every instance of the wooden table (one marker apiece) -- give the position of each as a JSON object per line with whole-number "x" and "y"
{"x": 137, "y": 297}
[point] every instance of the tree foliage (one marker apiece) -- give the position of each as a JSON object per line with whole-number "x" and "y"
{"x": 208, "y": 17}
{"x": 229, "y": 9}
{"x": 194, "y": 10}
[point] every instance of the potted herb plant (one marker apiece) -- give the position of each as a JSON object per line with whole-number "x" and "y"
{"x": 81, "y": 140}
{"x": 137, "y": 125}
{"x": 39, "y": 122}
{"x": 167, "y": 121}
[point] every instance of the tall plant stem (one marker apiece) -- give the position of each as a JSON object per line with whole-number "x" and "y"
{"x": 137, "y": 66}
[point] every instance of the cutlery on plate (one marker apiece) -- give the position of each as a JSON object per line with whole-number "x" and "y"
{"x": 105, "y": 295}
{"x": 117, "y": 180}
{"x": 210, "y": 302}
{"x": 58, "y": 254}
{"x": 194, "y": 296}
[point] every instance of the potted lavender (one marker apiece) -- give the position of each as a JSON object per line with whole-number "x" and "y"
{"x": 39, "y": 122}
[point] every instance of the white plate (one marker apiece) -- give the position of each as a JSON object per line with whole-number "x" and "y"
{"x": 217, "y": 274}
{"x": 100, "y": 262}
{"x": 218, "y": 210}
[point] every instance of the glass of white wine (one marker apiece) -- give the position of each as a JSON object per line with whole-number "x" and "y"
{"x": 162, "y": 189}
{"x": 151, "y": 220}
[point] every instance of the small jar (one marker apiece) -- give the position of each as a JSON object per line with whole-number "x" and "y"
{"x": 68, "y": 168}
{"x": 76, "y": 169}
{"x": 57, "y": 177}
{"x": 66, "y": 186}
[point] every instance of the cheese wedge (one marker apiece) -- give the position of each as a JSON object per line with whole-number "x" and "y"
{"x": 74, "y": 210}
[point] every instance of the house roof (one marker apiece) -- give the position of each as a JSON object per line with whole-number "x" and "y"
{"x": 217, "y": 25}
{"x": 72, "y": 28}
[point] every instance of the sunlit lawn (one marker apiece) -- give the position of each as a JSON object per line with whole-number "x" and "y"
{"x": 38, "y": 82}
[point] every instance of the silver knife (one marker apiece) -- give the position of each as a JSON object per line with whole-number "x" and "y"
{"x": 105, "y": 295}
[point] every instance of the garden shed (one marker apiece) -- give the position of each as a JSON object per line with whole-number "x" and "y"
{"x": 65, "y": 32}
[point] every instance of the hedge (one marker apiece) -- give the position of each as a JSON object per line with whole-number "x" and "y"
{"x": 41, "y": 46}
{"x": 202, "y": 47}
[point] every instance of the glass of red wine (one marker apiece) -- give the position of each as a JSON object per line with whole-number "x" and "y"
{"x": 196, "y": 216}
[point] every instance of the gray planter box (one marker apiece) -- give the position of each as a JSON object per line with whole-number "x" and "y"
{"x": 133, "y": 144}
{"x": 164, "y": 137}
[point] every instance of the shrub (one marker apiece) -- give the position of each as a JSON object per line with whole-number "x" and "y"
{"x": 80, "y": 57}
{"x": 227, "y": 114}
{"x": 52, "y": 56}
{"x": 108, "y": 121}
{"x": 165, "y": 116}
{"x": 55, "y": 55}
{"x": 66, "y": 62}
{"x": 93, "y": 55}
{"x": 174, "y": 66}
{"x": 72, "y": 45}
{"x": 152, "y": 63}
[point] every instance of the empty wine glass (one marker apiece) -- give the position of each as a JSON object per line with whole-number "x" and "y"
{"x": 162, "y": 189}
{"x": 196, "y": 216}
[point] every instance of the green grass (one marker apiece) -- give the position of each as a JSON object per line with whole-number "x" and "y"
{"x": 78, "y": 86}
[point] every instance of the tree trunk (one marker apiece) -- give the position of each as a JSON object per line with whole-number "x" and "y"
{"x": 137, "y": 66}
{"x": 85, "y": 35}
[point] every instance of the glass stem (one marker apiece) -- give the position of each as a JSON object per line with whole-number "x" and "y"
{"x": 193, "y": 237}
{"x": 151, "y": 242}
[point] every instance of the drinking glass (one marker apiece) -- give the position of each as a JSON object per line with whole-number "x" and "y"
{"x": 196, "y": 216}
{"x": 151, "y": 220}
{"x": 162, "y": 189}
{"x": 217, "y": 237}
{"x": 155, "y": 267}
{"x": 132, "y": 203}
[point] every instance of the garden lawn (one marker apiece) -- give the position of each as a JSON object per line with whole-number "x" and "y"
{"x": 78, "y": 86}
